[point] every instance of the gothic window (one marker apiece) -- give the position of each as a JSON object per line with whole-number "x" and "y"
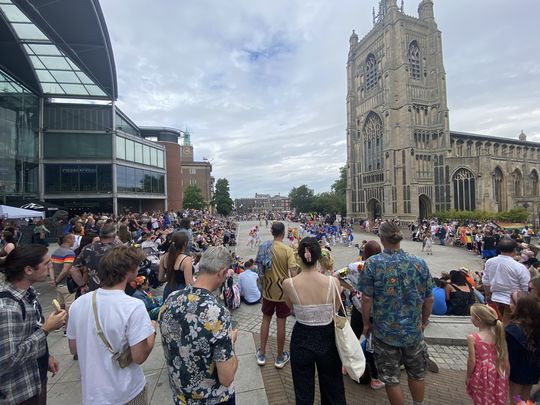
{"x": 499, "y": 189}
{"x": 373, "y": 143}
{"x": 464, "y": 190}
{"x": 518, "y": 183}
{"x": 371, "y": 72}
{"x": 496, "y": 149}
{"x": 414, "y": 61}
{"x": 534, "y": 183}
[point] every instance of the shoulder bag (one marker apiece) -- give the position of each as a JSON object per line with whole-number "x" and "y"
{"x": 348, "y": 345}
{"x": 123, "y": 359}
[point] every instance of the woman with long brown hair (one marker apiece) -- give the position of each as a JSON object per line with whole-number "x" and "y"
{"x": 175, "y": 267}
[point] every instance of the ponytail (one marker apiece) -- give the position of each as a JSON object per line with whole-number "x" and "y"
{"x": 500, "y": 345}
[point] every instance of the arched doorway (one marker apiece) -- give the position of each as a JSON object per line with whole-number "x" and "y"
{"x": 374, "y": 209}
{"x": 424, "y": 204}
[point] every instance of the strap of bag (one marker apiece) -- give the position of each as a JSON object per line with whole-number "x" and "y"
{"x": 334, "y": 298}
{"x": 98, "y": 326}
{"x": 9, "y": 295}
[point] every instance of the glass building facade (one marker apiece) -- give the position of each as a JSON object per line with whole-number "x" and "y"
{"x": 19, "y": 146}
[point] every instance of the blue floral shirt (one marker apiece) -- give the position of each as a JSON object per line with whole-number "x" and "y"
{"x": 398, "y": 284}
{"x": 196, "y": 333}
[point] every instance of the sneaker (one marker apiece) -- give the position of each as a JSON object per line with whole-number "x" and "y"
{"x": 376, "y": 384}
{"x": 75, "y": 357}
{"x": 282, "y": 360}
{"x": 261, "y": 358}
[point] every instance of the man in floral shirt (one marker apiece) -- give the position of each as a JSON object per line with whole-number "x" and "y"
{"x": 198, "y": 340}
{"x": 398, "y": 287}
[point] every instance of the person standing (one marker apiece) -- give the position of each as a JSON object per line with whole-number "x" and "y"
{"x": 398, "y": 286}
{"x": 125, "y": 325}
{"x": 198, "y": 339}
{"x": 62, "y": 260}
{"x": 503, "y": 275}
{"x": 315, "y": 299}
{"x": 24, "y": 355}
{"x": 283, "y": 264}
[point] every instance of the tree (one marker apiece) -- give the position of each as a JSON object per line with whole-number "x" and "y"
{"x": 301, "y": 198}
{"x": 222, "y": 199}
{"x": 193, "y": 198}
{"x": 340, "y": 185}
{"x": 327, "y": 203}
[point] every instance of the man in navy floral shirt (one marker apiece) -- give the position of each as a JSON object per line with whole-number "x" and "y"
{"x": 397, "y": 286}
{"x": 197, "y": 337}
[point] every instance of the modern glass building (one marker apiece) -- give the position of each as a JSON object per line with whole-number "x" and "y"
{"x": 62, "y": 138}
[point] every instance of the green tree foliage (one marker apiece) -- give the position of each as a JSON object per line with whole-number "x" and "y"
{"x": 222, "y": 198}
{"x": 301, "y": 198}
{"x": 193, "y": 198}
{"x": 518, "y": 214}
{"x": 304, "y": 199}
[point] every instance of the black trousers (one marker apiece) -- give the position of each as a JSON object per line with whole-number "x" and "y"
{"x": 316, "y": 346}
{"x": 357, "y": 325}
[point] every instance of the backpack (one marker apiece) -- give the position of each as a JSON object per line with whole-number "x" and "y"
{"x": 231, "y": 294}
{"x": 264, "y": 257}
{"x": 7, "y": 294}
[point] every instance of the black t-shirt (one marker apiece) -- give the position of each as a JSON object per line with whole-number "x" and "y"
{"x": 489, "y": 242}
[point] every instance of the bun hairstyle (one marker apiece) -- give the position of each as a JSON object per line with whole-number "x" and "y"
{"x": 488, "y": 317}
{"x": 390, "y": 232}
{"x": 309, "y": 251}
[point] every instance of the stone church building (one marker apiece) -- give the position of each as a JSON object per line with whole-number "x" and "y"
{"x": 402, "y": 158}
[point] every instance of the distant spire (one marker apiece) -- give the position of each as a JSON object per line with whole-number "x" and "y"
{"x": 402, "y": 5}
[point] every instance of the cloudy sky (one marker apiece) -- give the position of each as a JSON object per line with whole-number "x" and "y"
{"x": 261, "y": 84}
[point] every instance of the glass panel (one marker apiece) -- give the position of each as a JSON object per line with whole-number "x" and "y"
{"x": 160, "y": 158}
{"x": 88, "y": 178}
{"x": 44, "y": 49}
{"x": 64, "y": 76}
{"x": 83, "y": 78}
{"x": 146, "y": 154}
{"x": 95, "y": 90}
{"x": 161, "y": 183}
{"x": 130, "y": 150}
{"x": 74, "y": 89}
{"x": 69, "y": 175}
{"x": 55, "y": 62}
{"x": 28, "y": 31}
{"x": 36, "y": 62}
{"x": 13, "y": 13}
{"x": 45, "y": 76}
{"x": 52, "y": 178}
{"x": 130, "y": 176}
{"x": 154, "y": 182}
{"x": 75, "y": 146}
{"x": 139, "y": 180}
{"x": 121, "y": 178}
{"x": 138, "y": 152}
{"x": 52, "y": 88}
{"x": 120, "y": 147}
{"x": 154, "y": 157}
{"x": 104, "y": 178}
{"x": 147, "y": 181}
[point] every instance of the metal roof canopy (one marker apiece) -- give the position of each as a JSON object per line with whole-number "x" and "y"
{"x": 64, "y": 52}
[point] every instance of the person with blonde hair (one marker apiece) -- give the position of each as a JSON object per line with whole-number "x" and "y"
{"x": 326, "y": 262}
{"x": 488, "y": 365}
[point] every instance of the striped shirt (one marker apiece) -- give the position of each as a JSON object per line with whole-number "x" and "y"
{"x": 60, "y": 257}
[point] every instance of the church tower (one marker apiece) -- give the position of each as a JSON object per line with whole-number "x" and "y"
{"x": 397, "y": 117}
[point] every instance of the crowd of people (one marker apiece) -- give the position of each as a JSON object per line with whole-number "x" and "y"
{"x": 110, "y": 314}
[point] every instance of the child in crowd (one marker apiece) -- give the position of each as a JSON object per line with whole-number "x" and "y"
{"x": 523, "y": 339}
{"x": 142, "y": 292}
{"x": 429, "y": 243}
{"x": 487, "y": 365}
{"x": 326, "y": 262}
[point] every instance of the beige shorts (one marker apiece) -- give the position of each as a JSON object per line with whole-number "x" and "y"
{"x": 64, "y": 297}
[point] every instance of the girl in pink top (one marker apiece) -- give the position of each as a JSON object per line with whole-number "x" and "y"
{"x": 487, "y": 366}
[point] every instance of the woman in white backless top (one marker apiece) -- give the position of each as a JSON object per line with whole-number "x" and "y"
{"x": 314, "y": 298}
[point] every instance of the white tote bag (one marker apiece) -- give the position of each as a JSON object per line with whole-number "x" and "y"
{"x": 348, "y": 345}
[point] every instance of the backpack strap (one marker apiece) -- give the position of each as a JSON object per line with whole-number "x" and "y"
{"x": 9, "y": 295}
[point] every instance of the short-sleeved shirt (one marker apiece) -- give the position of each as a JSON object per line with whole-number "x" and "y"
{"x": 196, "y": 333}
{"x": 282, "y": 260}
{"x": 61, "y": 256}
{"x": 89, "y": 257}
{"x": 398, "y": 284}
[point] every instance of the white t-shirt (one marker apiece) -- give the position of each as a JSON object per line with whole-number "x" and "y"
{"x": 504, "y": 276}
{"x": 124, "y": 321}
{"x": 247, "y": 283}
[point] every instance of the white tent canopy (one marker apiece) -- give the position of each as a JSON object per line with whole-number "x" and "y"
{"x": 18, "y": 213}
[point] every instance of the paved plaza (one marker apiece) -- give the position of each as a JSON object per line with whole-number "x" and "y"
{"x": 267, "y": 385}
